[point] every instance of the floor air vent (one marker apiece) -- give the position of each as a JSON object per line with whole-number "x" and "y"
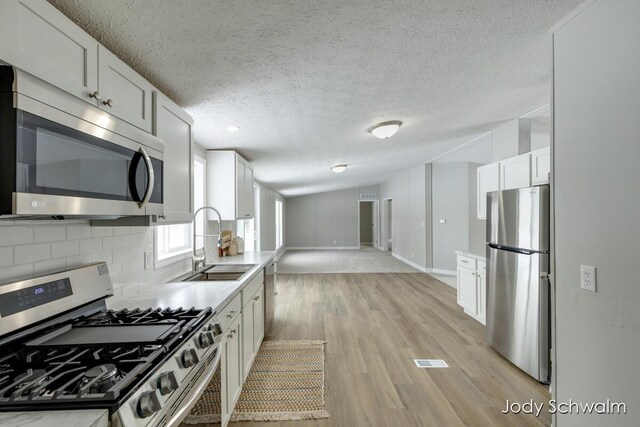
{"x": 430, "y": 363}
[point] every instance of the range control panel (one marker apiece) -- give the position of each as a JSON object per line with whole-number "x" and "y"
{"x": 24, "y": 299}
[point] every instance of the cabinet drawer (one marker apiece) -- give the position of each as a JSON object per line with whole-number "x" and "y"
{"x": 230, "y": 312}
{"x": 252, "y": 287}
{"x": 466, "y": 262}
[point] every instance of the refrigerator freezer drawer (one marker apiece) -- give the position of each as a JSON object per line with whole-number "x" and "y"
{"x": 518, "y": 309}
{"x": 519, "y": 218}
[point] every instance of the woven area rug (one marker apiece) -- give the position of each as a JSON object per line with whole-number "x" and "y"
{"x": 286, "y": 382}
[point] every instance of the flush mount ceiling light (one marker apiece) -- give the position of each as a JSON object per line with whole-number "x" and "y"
{"x": 385, "y": 130}
{"x": 233, "y": 128}
{"x": 338, "y": 168}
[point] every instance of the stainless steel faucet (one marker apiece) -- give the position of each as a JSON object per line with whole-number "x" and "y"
{"x": 200, "y": 261}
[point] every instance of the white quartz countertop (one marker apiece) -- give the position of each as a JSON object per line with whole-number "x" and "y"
{"x": 214, "y": 294}
{"x": 75, "y": 418}
{"x": 470, "y": 255}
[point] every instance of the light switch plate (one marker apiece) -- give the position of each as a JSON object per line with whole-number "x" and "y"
{"x": 443, "y": 221}
{"x": 588, "y": 278}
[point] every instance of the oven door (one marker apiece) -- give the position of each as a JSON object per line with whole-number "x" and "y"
{"x": 74, "y": 168}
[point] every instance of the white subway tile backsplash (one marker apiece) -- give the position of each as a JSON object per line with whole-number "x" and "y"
{"x": 49, "y": 233}
{"x": 77, "y": 261}
{"x": 101, "y": 231}
{"x": 65, "y": 249}
{"x": 16, "y": 272}
{"x": 32, "y": 253}
{"x": 49, "y": 266}
{"x": 102, "y": 257}
{"x": 90, "y": 246}
{"x": 41, "y": 247}
{"x": 6, "y": 256}
{"x": 112, "y": 242}
{"x": 78, "y": 231}
{"x": 16, "y": 235}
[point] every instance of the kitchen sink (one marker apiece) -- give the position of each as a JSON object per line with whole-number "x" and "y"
{"x": 219, "y": 272}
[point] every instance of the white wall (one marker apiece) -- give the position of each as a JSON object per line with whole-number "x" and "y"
{"x": 597, "y": 209}
{"x": 29, "y": 248}
{"x": 324, "y": 220}
{"x": 409, "y": 222}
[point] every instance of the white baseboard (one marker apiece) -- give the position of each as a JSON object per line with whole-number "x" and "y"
{"x": 411, "y": 263}
{"x": 443, "y": 272}
{"x": 322, "y": 248}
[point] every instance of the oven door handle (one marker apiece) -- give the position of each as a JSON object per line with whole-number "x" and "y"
{"x": 192, "y": 399}
{"x": 150, "y": 178}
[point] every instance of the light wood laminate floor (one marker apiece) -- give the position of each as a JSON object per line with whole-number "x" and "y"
{"x": 375, "y": 325}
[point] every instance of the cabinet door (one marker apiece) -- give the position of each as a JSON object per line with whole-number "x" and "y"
{"x": 39, "y": 39}
{"x": 234, "y": 365}
{"x": 482, "y": 296}
{"x": 248, "y": 192}
{"x": 488, "y": 180}
{"x": 540, "y": 166}
{"x": 258, "y": 319}
{"x": 467, "y": 290}
{"x": 175, "y": 127}
{"x": 515, "y": 172}
{"x": 224, "y": 387}
{"x": 248, "y": 353}
{"x": 240, "y": 199}
{"x": 125, "y": 93}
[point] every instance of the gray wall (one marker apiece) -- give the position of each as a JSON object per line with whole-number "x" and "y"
{"x": 409, "y": 193}
{"x": 366, "y": 221}
{"x": 325, "y": 219}
{"x": 596, "y": 156}
{"x": 450, "y": 203}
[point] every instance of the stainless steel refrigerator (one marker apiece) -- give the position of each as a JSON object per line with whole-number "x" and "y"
{"x": 517, "y": 277}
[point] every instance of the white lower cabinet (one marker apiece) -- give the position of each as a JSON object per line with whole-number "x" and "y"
{"x": 231, "y": 369}
{"x": 243, "y": 334}
{"x": 472, "y": 289}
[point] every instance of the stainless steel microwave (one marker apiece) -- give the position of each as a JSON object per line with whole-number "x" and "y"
{"x": 61, "y": 157}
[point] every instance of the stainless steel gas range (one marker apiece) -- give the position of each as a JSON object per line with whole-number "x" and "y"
{"x": 61, "y": 349}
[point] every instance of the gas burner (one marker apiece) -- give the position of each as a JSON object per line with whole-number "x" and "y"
{"x": 100, "y": 378}
{"x": 31, "y": 379}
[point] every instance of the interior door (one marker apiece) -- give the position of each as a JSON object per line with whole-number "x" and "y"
{"x": 374, "y": 223}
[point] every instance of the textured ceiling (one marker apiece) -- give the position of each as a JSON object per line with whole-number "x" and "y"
{"x": 305, "y": 79}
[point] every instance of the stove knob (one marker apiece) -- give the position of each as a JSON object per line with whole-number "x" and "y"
{"x": 189, "y": 357}
{"x": 206, "y": 339}
{"x": 215, "y": 328}
{"x": 167, "y": 382}
{"x": 148, "y": 404}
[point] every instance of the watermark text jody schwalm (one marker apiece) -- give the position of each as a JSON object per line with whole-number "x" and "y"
{"x": 555, "y": 407}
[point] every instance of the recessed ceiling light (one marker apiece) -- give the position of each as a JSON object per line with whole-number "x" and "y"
{"x": 233, "y": 128}
{"x": 385, "y": 130}
{"x": 338, "y": 168}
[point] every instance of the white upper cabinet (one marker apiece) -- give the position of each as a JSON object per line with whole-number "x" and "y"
{"x": 488, "y": 180}
{"x": 175, "y": 127}
{"x": 229, "y": 185}
{"x": 540, "y": 166}
{"x": 515, "y": 172}
{"x": 124, "y": 92}
{"x": 39, "y": 39}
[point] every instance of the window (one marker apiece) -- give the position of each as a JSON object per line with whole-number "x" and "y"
{"x": 245, "y": 229}
{"x": 175, "y": 240}
{"x": 279, "y": 225}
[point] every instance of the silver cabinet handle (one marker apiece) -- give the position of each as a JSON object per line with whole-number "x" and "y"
{"x": 150, "y": 178}
{"x": 96, "y": 95}
{"x": 109, "y": 102}
{"x": 256, "y": 298}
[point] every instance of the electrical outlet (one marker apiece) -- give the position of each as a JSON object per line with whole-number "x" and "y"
{"x": 148, "y": 260}
{"x": 588, "y": 278}
{"x": 443, "y": 221}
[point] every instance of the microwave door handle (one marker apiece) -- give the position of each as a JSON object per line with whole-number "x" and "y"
{"x": 150, "y": 178}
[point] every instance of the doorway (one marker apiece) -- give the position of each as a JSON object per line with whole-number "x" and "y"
{"x": 368, "y": 224}
{"x": 386, "y": 240}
